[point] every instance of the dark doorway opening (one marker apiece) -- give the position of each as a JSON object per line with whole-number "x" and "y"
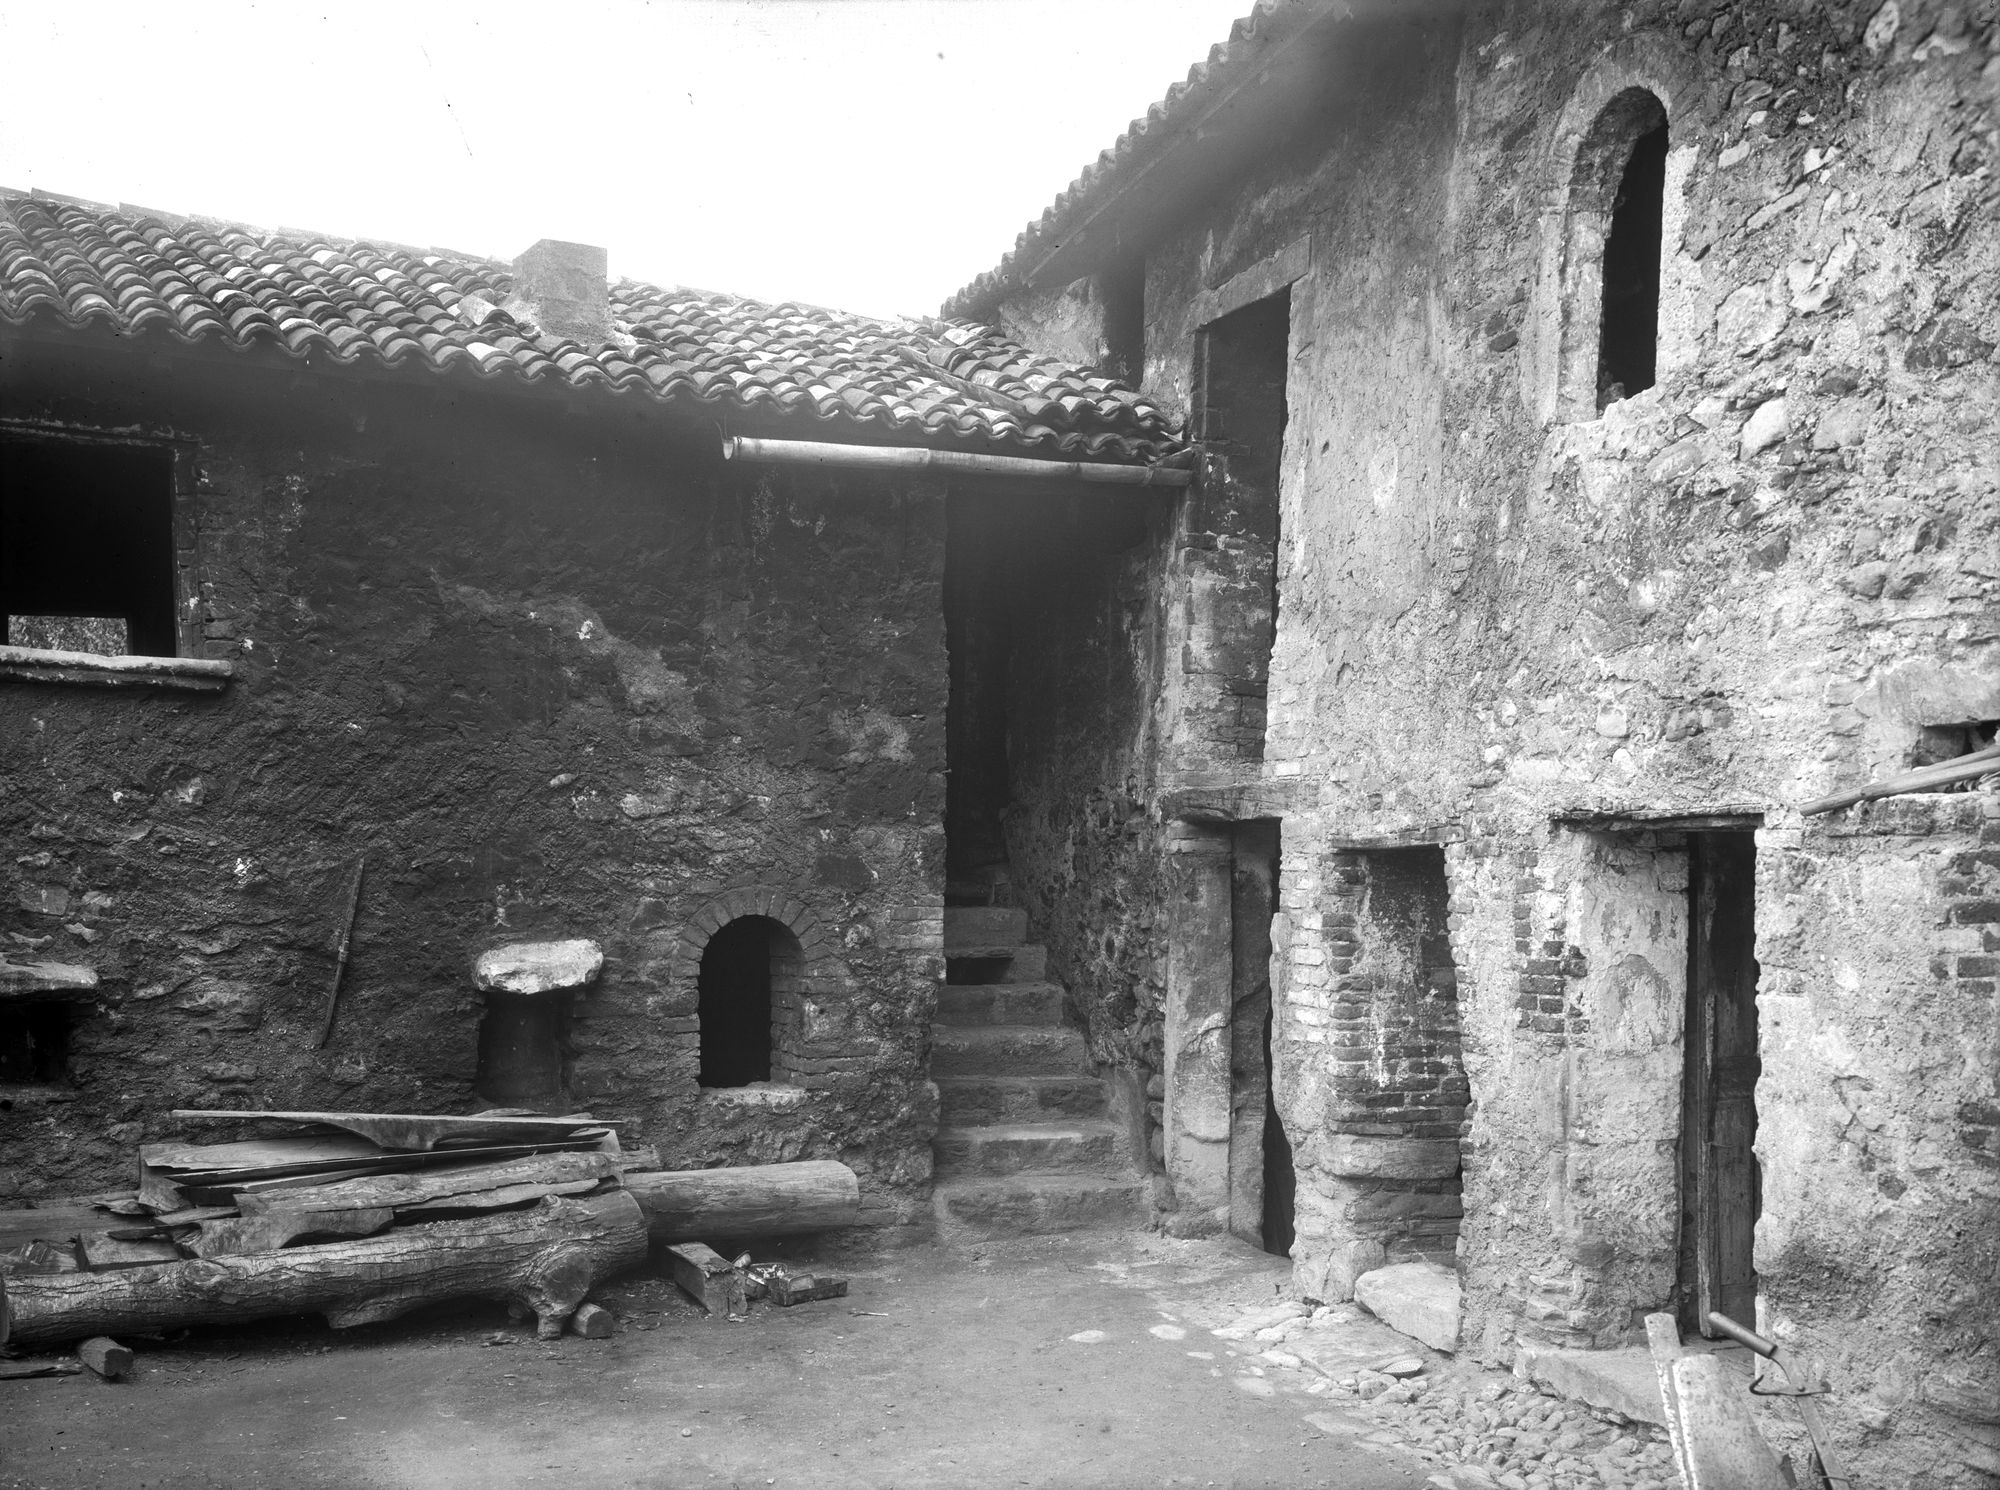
{"x": 1721, "y": 1194}
{"x": 735, "y": 1000}
{"x": 1262, "y": 1185}
{"x": 1629, "y": 331}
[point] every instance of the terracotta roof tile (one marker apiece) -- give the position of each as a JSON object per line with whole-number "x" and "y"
{"x": 87, "y": 266}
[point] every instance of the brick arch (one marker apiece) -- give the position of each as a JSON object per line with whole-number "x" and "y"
{"x": 799, "y": 980}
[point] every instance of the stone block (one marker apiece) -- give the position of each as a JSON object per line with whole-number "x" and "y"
{"x": 1621, "y": 1381}
{"x": 538, "y": 967}
{"x": 1415, "y": 1298}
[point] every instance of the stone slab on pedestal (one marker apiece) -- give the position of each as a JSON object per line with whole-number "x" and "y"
{"x": 538, "y": 967}
{"x": 1416, "y": 1298}
{"x": 1621, "y": 1381}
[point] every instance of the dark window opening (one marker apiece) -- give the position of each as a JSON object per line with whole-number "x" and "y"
{"x": 1122, "y": 291}
{"x": 1241, "y": 411}
{"x": 1629, "y": 330}
{"x": 1939, "y": 743}
{"x": 34, "y": 1043}
{"x": 87, "y": 547}
{"x": 735, "y": 1005}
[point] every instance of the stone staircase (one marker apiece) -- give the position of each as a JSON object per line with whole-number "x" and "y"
{"x": 1026, "y": 1143}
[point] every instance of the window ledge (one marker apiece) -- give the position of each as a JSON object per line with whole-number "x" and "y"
{"x": 36, "y": 665}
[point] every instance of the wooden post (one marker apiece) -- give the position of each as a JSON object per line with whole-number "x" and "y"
{"x": 708, "y": 1278}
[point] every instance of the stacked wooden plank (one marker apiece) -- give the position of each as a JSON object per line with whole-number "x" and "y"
{"x": 358, "y": 1216}
{"x": 365, "y": 1216}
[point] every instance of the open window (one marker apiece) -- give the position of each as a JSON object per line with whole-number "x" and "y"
{"x": 87, "y": 547}
{"x": 1617, "y": 216}
{"x": 749, "y": 987}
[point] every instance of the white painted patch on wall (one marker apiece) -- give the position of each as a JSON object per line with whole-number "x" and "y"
{"x": 1382, "y": 478}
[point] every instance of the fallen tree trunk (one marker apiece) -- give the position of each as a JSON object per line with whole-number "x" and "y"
{"x": 545, "y": 1258}
{"x": 692, "y": 1205}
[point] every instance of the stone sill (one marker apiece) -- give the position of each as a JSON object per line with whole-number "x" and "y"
{"x": 38, "y": 665}
{"x": 761, "y": 1094}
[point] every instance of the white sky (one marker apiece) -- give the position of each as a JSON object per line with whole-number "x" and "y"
{"x": 868, "y": 154}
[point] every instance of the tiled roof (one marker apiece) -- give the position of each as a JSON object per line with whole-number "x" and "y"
{"x": 1251, "y": 40}
{"x": 333, "y": 302}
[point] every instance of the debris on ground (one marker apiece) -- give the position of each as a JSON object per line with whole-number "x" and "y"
{"x": 1478, "y": 1429}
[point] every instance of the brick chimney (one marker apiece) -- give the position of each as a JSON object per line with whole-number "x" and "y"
{"x": 561, "y": 288}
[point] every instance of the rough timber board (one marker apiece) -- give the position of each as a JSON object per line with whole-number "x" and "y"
{"x": 415, "y": 1131}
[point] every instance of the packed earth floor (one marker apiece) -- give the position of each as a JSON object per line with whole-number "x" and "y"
{"x": 1079, "y": 1361}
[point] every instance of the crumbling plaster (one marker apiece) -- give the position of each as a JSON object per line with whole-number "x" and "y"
{"x": 1751, "y": 584}
{"x": 553, "y": 674}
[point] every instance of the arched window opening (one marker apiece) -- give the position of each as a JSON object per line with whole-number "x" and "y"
{"x": 1628, "y": 337}
{"x": 749, "y": 969}
{"x": 1618, "y": 210}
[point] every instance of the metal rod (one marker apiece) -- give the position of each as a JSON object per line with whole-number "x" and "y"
{"x": 911, "y": 458}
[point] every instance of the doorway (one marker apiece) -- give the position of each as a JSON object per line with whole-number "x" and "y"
{"x": 1262, "y": 1185}
{"x": 1720, "y": 1184}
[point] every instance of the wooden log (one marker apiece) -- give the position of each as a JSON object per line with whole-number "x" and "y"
{"x": 270, "y": 1230}
{"x": 105, "y": 1356}
{"x": 707, "y": 1277}
{"x": 546, "y": 1258}
{"x": 103, "y": 1252}
{"x": 592, "y": 1323}
{"x": 686, "y": 1205}
{"x": 464, "y": 1187}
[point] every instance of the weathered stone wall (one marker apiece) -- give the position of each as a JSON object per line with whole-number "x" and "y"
{"x": 1759, "y": 580}
{"x": 556, "y": 672}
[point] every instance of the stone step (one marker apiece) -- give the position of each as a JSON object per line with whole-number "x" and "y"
{"x": 983, "y": 930}
{"x": 1033, "y": 1204}
{"x": 1027, "y": 963}
{"x": 999, "y": 1003}
{"x": 1008, "y": 1050}
{"x": 968, "y": 1101}
{"x": 1012, "y": 1148}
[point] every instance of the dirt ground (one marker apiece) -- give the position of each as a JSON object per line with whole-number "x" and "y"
{"x": 1082, "y": 1361}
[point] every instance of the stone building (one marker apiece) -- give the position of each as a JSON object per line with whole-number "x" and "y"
{"x": 318, "y": 553}
{"x": 1597, "y": 407}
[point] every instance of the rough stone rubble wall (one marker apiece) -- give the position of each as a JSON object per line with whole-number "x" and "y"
{"x": 1760, "y": 580}
{"x": 554, "y": 679}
